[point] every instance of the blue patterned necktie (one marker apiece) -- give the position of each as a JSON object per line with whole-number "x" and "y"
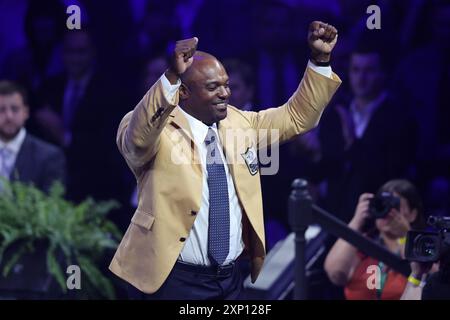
{"x": 219, "y": 205}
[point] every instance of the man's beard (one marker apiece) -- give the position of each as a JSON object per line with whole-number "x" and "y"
{"x": 6, "y": 136}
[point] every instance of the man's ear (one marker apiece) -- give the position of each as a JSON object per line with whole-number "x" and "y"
{"x": 184, "y": 92}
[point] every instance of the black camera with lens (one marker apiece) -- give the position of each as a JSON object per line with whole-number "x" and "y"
{"x": 382, "y": 203}
{"x": 429, "y": 246}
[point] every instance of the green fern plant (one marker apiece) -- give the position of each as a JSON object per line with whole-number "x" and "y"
{"x": 79, "y": 232}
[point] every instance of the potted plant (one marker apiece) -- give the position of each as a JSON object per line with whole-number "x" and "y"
{"x": 43, "y": 233}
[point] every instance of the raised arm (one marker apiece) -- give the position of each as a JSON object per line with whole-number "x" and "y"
{"x": 304, "y": 109}
{"x": 139, "y": 130}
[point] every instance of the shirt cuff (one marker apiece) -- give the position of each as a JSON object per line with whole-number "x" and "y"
{"x": 170, "y": 90}
{"x": 325, "y": 71}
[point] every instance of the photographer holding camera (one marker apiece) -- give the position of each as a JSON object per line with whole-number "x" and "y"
{"x": 396, "y": 208}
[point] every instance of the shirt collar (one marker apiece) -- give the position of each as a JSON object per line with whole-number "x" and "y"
{"x": 370, "y": 107}
{"x": 198, "y": 128}
{"x": 81, "y": 82}
{"x": 15, "y": 144}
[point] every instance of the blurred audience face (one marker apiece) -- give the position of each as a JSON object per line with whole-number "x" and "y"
{"x": 158, "y": 27}
{"x": 153, "y": 71}
{"x": 274, "y": 26}
{"x": 241, "y": 92}
{"x": 397, "y": 222}
{"x": 366, "y": 75}
{"x": 78, "y": 54}
{"x": 13, "y": 114}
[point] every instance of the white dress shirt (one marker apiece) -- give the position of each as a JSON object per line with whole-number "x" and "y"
{"x": 195, "y": 249}
{"x": 13, "y": 147}
{"x": 361, "y": 117}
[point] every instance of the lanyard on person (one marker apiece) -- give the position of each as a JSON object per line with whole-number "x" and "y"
{"x": 384, "y": 270}
{"x": 383, "y": 276}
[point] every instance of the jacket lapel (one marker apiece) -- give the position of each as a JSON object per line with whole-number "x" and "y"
{"x": 181, "y": 124}
{"x": 22, "y": 169}
{"x": 228, "y": 146}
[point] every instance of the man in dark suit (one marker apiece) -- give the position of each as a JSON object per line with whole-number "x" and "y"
{"x": 78, "y": 112}
{"x": 22, "y": 156}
